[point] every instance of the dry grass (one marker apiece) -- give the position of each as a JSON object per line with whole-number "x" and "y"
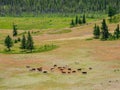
{"x": 102, "y": 56}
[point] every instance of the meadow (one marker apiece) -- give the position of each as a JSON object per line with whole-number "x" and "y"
{"x": 76, "y": 49}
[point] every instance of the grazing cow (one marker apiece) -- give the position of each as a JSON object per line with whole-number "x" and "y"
{"x": 69, "y": 69}
{"x": 69, "y": 72}
{"x": 33, "y": 69}
{"x": 55, "y": 65}
{"x": 39, "y": 69}
{"x": 84, "y": 72}
{"x": 73, "y": 71}
{"x": 59, "y": 67}
{"x": 90, "y": 68}
{"x": 45, "y": 72}
{"x": 27, "y": 66}
{"x": 63, "y": 72}
{"x": 79, "y": 69}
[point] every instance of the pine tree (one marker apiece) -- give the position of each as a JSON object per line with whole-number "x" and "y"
{"x": 80, "y": 21}
{"x": 8, "y": 42}
{"x": 15, "y": 30}
{"x": 72, "y": 23}
{"x": 117, "y": 32}
{"x": 111, "y": 12}
{"x": 30, "y": 43}
{"x": 96, "y": 32}
{"x": 76, "y": 20}
{"x": 23, "y": 42}
{"x": 84, "y": 19}
{"x": 105, "y": 32}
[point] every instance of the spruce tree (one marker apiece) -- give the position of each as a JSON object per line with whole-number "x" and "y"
{"x": 72, "y": 23}
{"x": 104, "y": 32}
{"x": 8, "y": 42}
{"x": 111, "y": 12}
{"x": 84, "y": 19}
{"x": 117, "y": 32}
{"x": 96, "y": 32}
{"x": 76, "y": 20}
{"x": 15, "y": 30}
{"x": 80, "y": 21}
{"x": 30, "y": 43}
{"x": 23, "y": 42}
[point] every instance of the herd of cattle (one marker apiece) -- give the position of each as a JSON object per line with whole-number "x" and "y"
{"x": 63, "y": 70}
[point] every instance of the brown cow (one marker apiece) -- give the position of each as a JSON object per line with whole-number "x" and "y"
{"x": 39, "y": 69}
{"x": 27, "y": 66}
{"x": 73, "y": 71}
{"x": 79, "y": 69}
{"x": 33, "y": 69}
{"x": 84, "y": 72}
{"x": 45, "y": 72}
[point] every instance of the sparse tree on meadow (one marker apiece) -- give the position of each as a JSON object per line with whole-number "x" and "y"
{"x": 30, "y": 43}
{"x": 72, "y": 23}
{"x": 117, "y": 32}
{"x": 84, "y": 19}
{"x": 15, "y": 30}
{"x": 76, "y": 20}
{"x": 104, "y": 32}
{"x": 96, "y": 31}
{"x": 23, "y": 42}
{"x": 8, "y": 42}
{"x": 111, "y": 12}
{"x": 80, "y": 21}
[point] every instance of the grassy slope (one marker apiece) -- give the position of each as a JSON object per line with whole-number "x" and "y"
{"x": 46, "y": 22}
{"x": 103, "y": 57}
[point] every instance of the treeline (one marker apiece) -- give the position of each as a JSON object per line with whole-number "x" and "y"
{"x": 37, "y": 7}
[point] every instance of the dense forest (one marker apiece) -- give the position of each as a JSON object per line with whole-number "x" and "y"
{"x": 37, "y": 7}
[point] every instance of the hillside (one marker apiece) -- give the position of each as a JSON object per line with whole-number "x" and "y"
{"x": 37, "y": 7}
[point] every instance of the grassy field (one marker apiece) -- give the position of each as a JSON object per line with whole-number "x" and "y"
{"x": 76, "y": 49}
{"x": 41, "y": 22}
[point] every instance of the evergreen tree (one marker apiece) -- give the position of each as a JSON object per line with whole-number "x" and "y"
{"x": 72, "y": 23}
{"x": 23, "y": 42}
{"x": 76, "y": 20}
{"x": 30, "y": 43}
{"x": 84, "y": 19}
{"x": 96, "y": 32}
{"x": 15, "y": 30}
{"x": 8, "y": 42}
{"x": 80, "y": 21}
{"x": 105, "y": 32}
{"x": 117, "y": 32}
{"x": 111, "y": 12}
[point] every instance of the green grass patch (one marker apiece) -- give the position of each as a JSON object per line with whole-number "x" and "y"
{"x": 37, "y": 49}
{"x": 115, "y": 19}
{"x": 43, "y": 22}
{"x": 89, "y": 39}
